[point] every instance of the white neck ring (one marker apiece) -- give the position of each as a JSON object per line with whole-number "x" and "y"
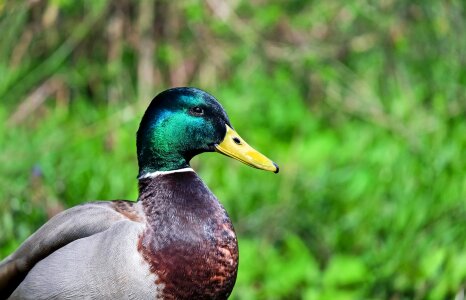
{"x": 158, "y": 173}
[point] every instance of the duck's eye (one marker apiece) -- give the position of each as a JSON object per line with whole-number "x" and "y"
{"x": 196, "y": 111}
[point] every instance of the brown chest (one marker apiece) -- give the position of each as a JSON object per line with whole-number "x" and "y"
{"x": 204, "y": 270}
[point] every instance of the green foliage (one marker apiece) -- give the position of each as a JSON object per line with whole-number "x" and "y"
{"x": 362, "y": 106}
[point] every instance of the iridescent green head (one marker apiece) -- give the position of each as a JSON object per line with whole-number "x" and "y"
{"x": 183, "y": 122}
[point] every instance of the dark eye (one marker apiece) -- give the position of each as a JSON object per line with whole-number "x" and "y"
{"x": 196, "y": 111}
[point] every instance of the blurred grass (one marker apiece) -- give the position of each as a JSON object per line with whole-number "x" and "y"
{"x": 362, "y": 104}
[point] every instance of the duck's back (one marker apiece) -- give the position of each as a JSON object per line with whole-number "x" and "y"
{"x": 106, "y": 265}
{"x": 88, "y": 251}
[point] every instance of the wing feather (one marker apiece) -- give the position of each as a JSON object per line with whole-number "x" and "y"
{"x": 72, "y": 224}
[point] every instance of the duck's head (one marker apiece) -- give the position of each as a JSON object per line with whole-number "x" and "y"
{"x": 183, "y": 122}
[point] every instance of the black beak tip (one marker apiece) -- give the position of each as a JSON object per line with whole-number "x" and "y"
{"x": 276, "y": 166}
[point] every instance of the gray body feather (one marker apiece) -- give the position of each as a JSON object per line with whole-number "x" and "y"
{"x": 86, "y": 252}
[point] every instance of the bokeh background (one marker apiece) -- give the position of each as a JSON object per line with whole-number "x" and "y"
{"x": 362, "y": 104}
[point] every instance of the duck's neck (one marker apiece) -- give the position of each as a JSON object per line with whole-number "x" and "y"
{"x": 181, "y": 204}
{"x": 175, "y": 193}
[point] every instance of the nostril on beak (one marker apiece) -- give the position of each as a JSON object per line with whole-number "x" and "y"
{"x": 237, "y": 141}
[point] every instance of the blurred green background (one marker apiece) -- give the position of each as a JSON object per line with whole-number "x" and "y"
{"x": 361, "y": 103}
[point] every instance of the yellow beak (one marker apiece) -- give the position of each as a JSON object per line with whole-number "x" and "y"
{"x": 235, "y": 147}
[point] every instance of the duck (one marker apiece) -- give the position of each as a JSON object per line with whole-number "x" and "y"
{"x": 176, "y": 241}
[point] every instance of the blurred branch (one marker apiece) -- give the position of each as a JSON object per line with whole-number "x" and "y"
{"x": 226, "y": 13}
{"x": 146, "y": 48}
{"x": 21, "y": 48}
{"x": 16, "y": 85}
{"x": 115, "y": 36}
{"x": 35, "y": 99}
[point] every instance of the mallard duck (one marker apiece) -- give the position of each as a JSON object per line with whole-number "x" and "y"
{"x": 175, "y": 242}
